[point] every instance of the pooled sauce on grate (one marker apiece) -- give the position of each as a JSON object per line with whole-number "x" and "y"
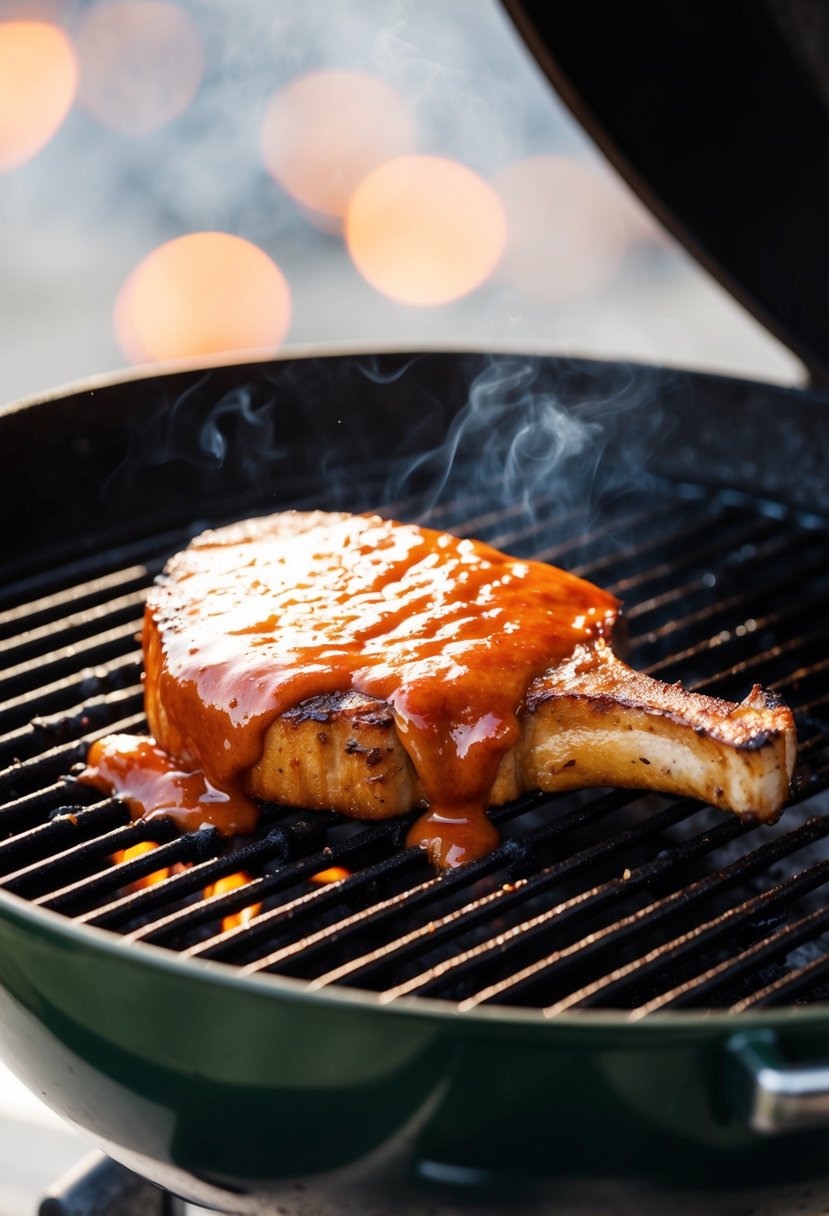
{"x": 252, "y": 620}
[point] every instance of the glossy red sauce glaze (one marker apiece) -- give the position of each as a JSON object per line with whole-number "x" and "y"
{"x": 153, "y": 783}
{"x": 252, "y": 620}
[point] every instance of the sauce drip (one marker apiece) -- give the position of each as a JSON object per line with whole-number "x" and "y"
{"x": 252, "y": 620}
{"x": 153, "y": 783}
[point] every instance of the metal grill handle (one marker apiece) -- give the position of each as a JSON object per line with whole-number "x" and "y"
{"x": 775, "y": 1097}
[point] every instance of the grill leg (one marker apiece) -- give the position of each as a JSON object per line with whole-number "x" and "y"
{"x": 100, "y": 1187}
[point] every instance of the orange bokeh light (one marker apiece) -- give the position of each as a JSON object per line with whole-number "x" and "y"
{"x": 223, "y": 886}
{"x": 325, "y": 131}
{"x": 569, "y": 226}
{"x": 201, "y": 294}
{"x": 141, "y": 63}
{"x": 425, "y": 230}
{"x": 38, "y": 79}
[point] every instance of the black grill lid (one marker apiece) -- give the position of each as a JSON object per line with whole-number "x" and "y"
{"x": 718, "y": 116}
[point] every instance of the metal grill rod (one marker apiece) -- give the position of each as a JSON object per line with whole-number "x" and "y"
{"x": 193, "y": 846}
{"x": 508, "y": 855}
{"x": 496, "y": 902}
{"x": 740, "y": 965}
{"x": 60, "y": 693}
{"x": 786, "y": 987}
{"x": 653, "y": 914}
{"x": 705, "y": 934}
{"x": 58, "y": 760}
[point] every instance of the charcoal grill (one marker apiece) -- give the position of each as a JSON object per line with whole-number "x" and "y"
{"x": 708, "y": 581}
{"x": 606, "y": 946}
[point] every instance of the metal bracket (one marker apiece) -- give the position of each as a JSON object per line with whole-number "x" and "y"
{"x": 773, "y": 1096}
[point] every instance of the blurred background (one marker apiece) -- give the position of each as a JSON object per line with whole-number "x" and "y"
{"x": 181, "y": 179}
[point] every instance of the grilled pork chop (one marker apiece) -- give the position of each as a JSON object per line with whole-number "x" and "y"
{"x": 352, "y": 663}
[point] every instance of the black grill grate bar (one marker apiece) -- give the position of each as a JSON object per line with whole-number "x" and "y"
{"x": 787, "y": 988}
{"x": 446, "y": 928}
{"x": 729, "y": 643}
{"x": 704, "y": 935}
{"x": 746, "y": 964}
{"x": 314, "y": 903}
{"x": 22, "y": 743}
{"x": 775, "y": 557}
{"x": 758, "y": 600}
{"x": 75, "y": 575}
{"x": 445, "y": 884}
{"x": 344, "y": 853}
{"x": 509, "y": 855}
{"x": 559, "y": 553}
{"x": 69, "y": 629}
{"x": 84, "y": 598}
{"x": 40, "y": 880}
{"x": 34, "y": 808}
{"x": 343, "y": 888}
{"x": 387, "y": 835}
{"x": 67, "y": 660}
{"x": 651, "y": 915}
{"x": 135, "y": 906}
{"x": 68, "y": 826}
{"x": 799, "y": 677}
{"x": 540, "y": 529}
{"x": 27, "y": 776}
{"x": 469, "y": 963}
{"x": 751, "y": 663}
{"x": 772, "y": 655}
{"x": 807, "y": 708}
{"x": 192, "y": 846}
{"x": 690, "y": 547}
{"x": 543, "y": 507}
{"x": 68, "y": 691}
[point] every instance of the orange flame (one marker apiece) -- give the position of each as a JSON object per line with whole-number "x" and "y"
{"x": 326, "y": 130}
{"x": 223, "y": 886}
{"x": 141, "y": 63}
{"x": 425, "y": 230}
{"x": 332, "y": 874}
{"x": 38, "y": 78}
{"x": 200, "y": 294}
{"x": 138, "y": 850}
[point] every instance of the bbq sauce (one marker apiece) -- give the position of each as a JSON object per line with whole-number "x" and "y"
{"x": 153, "y": 783}
{"x": 254, "y": 619}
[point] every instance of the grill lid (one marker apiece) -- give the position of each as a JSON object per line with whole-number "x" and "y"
{"x": 718, "y": 116}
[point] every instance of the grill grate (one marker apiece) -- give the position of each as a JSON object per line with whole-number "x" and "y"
{"x": 594, "y": 899}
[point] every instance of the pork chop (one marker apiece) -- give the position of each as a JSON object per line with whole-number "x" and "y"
{"x": 370, "y": 667}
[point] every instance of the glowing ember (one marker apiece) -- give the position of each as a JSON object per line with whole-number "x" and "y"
{"x": 332, "y": 874}
{"x": 138, "y": 850}
{"x": 141, "y": 63}
{"x": 201, "y": 294}
{"x": 568, "y": 227}
{"x": 424, "y": 230}
{"x": 223, "y": 886}
{"x": 327, "y": 130}
{"x": 38, "y": 78}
